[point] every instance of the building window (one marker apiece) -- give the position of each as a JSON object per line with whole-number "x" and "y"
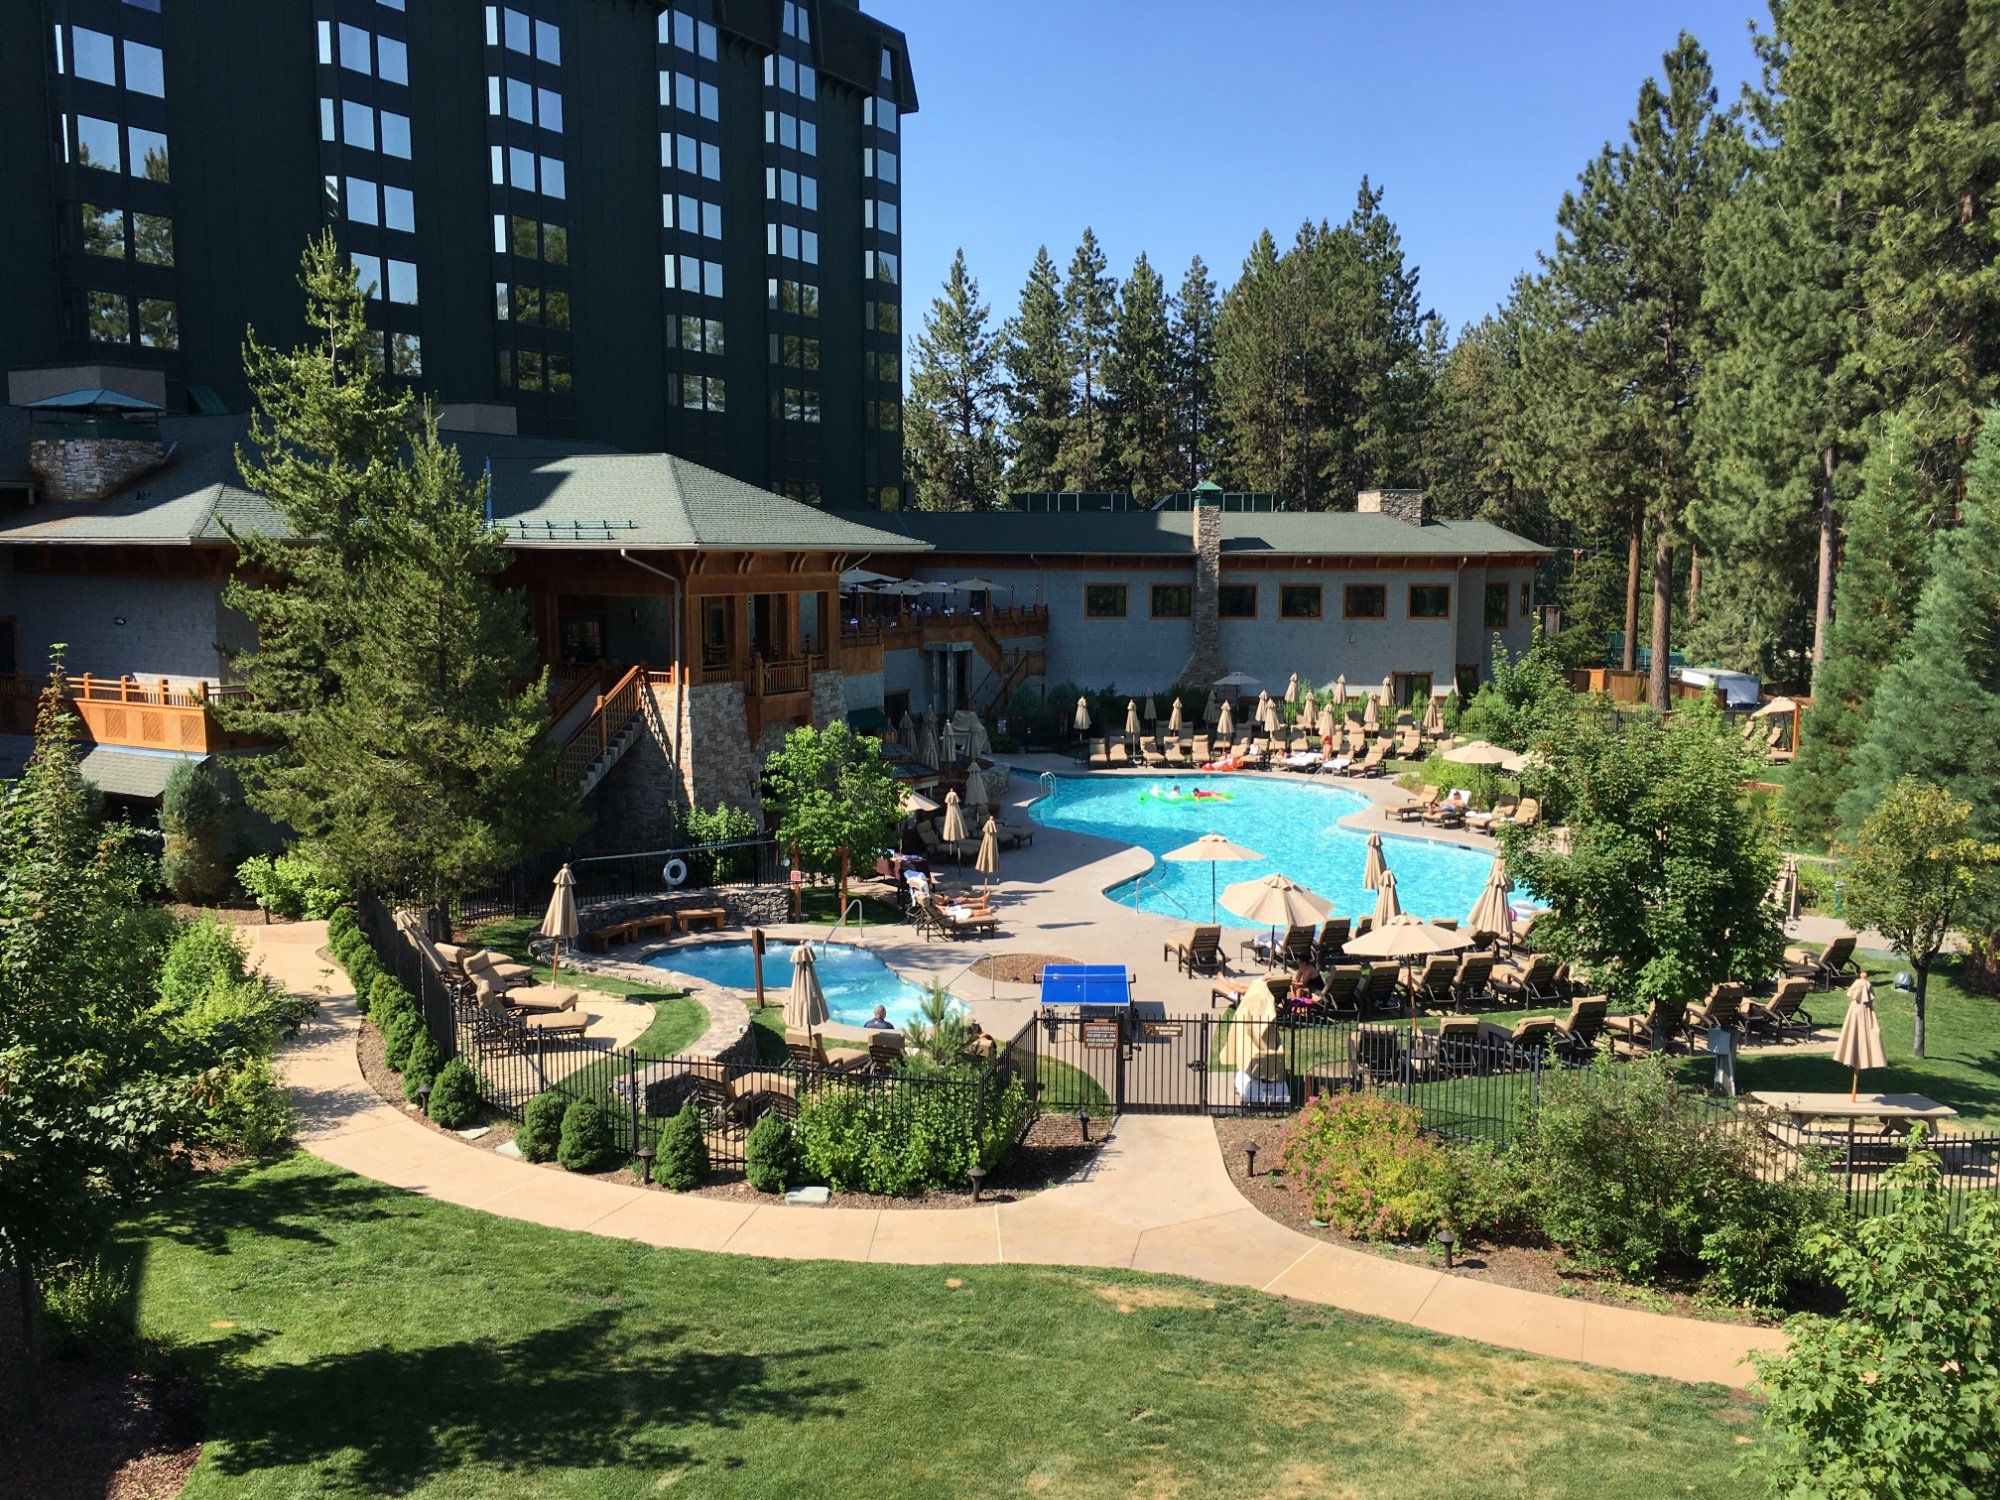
{"x": 1104, "y": 601}
{"x": 97, "y": 144}
{"x": 110, "y": 317}
{"x": 153, "y": 239}
{"x": 1365, "y": 601}
{"x": 1430, "y": 601}
{"x": 1496, "y": 606}
{"x": 1527, "y": 597}
{"x": 1172, "y": 601}
{"x": 144, "y": 71}
{"x": 159, "y": 324}
{"x": 104, "y": 231}
{"x": 1298, "y": 601}
{"x": 1236, "y": 601}
{"x": 1413, "y": 689}
{"x": 147, "y": 154}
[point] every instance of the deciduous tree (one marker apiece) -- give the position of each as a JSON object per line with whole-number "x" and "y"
{"x": 834, "y": 795}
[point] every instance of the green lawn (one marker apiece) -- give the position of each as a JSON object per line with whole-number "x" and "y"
{"x": 355, "y": 1340}
{"x": 509, "y": 935}
{"x": 821, "y": 904}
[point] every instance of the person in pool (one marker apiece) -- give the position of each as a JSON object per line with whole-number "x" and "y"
{"x": 879, "y": 1021}
{"x": 1175, "y": 791}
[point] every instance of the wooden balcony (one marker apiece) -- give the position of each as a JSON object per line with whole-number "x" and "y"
{"x": 151, "y": 713}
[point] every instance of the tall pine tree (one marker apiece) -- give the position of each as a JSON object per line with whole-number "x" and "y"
{"x": 1138, "y": 388}
{"x": 1090, "y": 312}
{"x": 1193, "y": 394}
{"x": 1038, "y": 385}
{"x": 1254, "y": 380}
{"x": 951, "y": 448}
{"x": 1383, "y": 327}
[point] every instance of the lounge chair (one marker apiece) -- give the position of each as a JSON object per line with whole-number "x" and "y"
{"x": 1175, "y": 756}
{"x": 1527, "y": 815}
{"x": 1827, "y": 968}
{"x": 1722, "y": 1008}
{"x": 1431, "y": 986}
{"x": 542, "y": 999}
{"x": 1100, "y": 756}
{"x": 1379, "y": 1053}
{"x": 1449, "y": 811}
{"x": 1463, "y": 1046}
{"x": 1120, "y": 756}
{"x": 1294, "y": 948}
{"x": 1200, "y": 954}
{"x": 1151, "y": 753}
{"x": 1409, "y": 744}
{"x": 1332, "y": 941}
{"x": 1531, "y": 983}
{"x": 1418, "y": 806}
{"x": 471, "y": 961}
{"x": 1474, "y": 981}
{"x": 1578, "y": 1033}
{"x": 1530, "y": 1033}
{"x": 885, "y": 1050}
{"x": 1371, "y": 765}
{"x": 1656, "y": 1029}
{"x": 561, "y": 1025}
{"x": 1785, "y": 1009}
{"x": 806, "y": 1049}
{"x": 956, "y": 922}
{"x": 1341, "y": 997}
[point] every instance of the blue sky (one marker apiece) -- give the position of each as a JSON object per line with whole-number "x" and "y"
{"x": 1180, "y": 128}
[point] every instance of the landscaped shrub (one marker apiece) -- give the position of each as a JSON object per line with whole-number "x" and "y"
{"x": 207, "y": 985}
{"x": 454, "y": 1095}
{"x": 770, "y": 1155}
{"x": 291, "y": 885}
{"x": 1365, "y": 1165}
{"x": 682, "y": 1159}
{"x": 399, "y": 1030}
{"x": 1478, "y": 1193}
{"x": 195, "y": 819}
{"x": 339, "y": 925}
{"x": 251, "y": 1113}
{"x": 386, "y": 993}
{"x": 586, "y": 1137}
{"x": 421, "y": 1061}
{"x": 541, "y": 1126}
{"x": 364, "y": 970}
{"x": 905, "y": 1140}
{"x": 88, "y": 1303}
{"x": 1760, "y": 1252}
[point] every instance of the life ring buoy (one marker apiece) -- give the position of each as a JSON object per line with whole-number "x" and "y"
{"x": 676, "y": 872}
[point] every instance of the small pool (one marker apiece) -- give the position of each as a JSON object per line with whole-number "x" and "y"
{"x": 1293, "y": 824}
{"x": 855, "y": 980}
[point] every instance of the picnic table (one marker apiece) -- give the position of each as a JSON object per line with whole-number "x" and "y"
{"x": 1896, "y": 1111}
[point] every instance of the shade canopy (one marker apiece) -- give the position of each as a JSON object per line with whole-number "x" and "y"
{"x": 914, "y": 801}
{"x": 1491, "y": 913}
{"x": 988, "y": 862}
{"x": 560, "y": 921}
{"x": 1277, "y": 900}
{"x": 805, "y": 1002}
{"x": 1405, "y": 938}
{"x": 978, "y": 586}
{"x": 1082, "y": 718}
{"x": 1387, "y": 907}
{"x": 954, "y": 819}
{"x": 1373, "y": 868}
{"x": 1484, "y": 753}
{"x": 861, "y": 578}
{"x": 1210, "y": 847}
{"x": 1860, "y": 1043}
{"x": 1236, "y": 680}
{"x": 1253, "y": 1046}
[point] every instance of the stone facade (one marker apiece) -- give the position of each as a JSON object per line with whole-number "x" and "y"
{"x": 1205, "y": 665}
{"x": 638, "y": 802}
{"x": 89, "y": 468}
{"x": 1407, "y": 506}
{"x": 829, "y": 698}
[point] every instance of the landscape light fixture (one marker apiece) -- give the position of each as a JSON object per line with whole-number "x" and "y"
{"x": 978, "y": 1176}
{"x": 424, "y": 1099}
{"x": 1083, "y": 1124}
{"x": 646, "y": 1156}
{"x": 1250, "y": 1156}
{"x": 1449, "y": 1240}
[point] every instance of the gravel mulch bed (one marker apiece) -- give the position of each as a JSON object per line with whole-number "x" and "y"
{"x": 1533, "y": 1268}
{"x": 1016, "y": 968}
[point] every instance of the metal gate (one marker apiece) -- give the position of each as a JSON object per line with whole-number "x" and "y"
{"x": 1144, "y": 1065}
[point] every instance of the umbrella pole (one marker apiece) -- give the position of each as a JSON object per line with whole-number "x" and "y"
{"x": 1853, "y": 1085}
{"x": 555, "y": 959}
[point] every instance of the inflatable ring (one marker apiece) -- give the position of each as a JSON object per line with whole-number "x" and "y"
{"x": 676, "y": 872}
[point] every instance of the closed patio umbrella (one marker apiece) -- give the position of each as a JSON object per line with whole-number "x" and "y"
{"x": 1370, "y": 718}
{"x": 1252, "y": 1047}
{"x": 954, "y": 819}
{"x": 1292, "y": 689}
{"x": 1373, "y": 869}
{"x": 927, "y": 745}
{"x": 1860, "y": 1042}
{"x": 1082, "y": 719}
{"x": 1152, "y": 713}
{"x": 1174, "y": 718}
{"x": 1131, "y": 718}
{"x": 1387, "y": 907}
{"x": 1270, "y": 719}
{"x": 1388, "y": 691}
{"x": 1210, "y": 848}
{"x": 1308, "y": 706}
{"x": 1340, "y": 688}
{"x": 906, "y": 732}
{"x": 1433, "y": 720}
{"x": 948, "y": 742}
{"x": 560, "y": 922}
{"x": 805, "y": 1002}
{"x": 976, "y": 801}
{"x": 1213, "y": 710}
{"x": 988, "y": 862}
{"x": 1225, "y": 722}
{"x": 1490, "y": 913}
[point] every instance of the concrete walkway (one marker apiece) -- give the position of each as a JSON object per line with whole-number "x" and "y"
{"x": 1157, "y": 1199}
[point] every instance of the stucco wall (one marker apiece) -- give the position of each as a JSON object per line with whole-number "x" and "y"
{"x": 172, "y": 628}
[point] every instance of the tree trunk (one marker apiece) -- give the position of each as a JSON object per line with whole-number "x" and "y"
{"x": 31, "y": 1340}
{"x": 1633, "y": 538}
{"x": 1663, "y": 615}
{"x": 1694, "y": 583}
{"x": 1828, "y": 537}
{"x": 1923, "y": 968}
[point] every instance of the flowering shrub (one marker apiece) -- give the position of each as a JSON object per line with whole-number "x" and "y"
{"x": 1365, "y": 1165}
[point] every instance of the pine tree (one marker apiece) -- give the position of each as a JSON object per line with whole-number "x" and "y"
{"x": 1090, "y": 311}
{"x": 952, "y": 446}
{"x": 1383, "y": 328}
{"x": 1193, "y": 394}
{"x": 1138, "y": 388}
{"x": 1936, "y": 710}
{"x": 1253, "y": 370}
{"x": 1038, "y": 387}
{"x": 1887, "y": 555}
{"x": 1474, "y": 466}
{"x": 1626, "y": 280}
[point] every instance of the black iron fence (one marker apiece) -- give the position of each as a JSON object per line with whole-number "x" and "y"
{"x": 525, "y": 890}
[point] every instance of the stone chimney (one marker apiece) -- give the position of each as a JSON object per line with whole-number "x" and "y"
{"x": 1205, "y": 665}
{"x": 1407, "y": 506}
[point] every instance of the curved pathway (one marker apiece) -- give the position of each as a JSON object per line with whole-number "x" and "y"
{"x": 1157, "y": 1199}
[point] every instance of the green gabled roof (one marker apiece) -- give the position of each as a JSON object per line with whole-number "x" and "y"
{"x": 658, "y": 501}
{"x": 1244, "y": 533}
{"x": 119, "y": 772}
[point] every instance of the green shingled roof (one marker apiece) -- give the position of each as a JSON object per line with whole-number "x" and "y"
{"x": 119, "y": 772}
{"x": 1148, "y": 532}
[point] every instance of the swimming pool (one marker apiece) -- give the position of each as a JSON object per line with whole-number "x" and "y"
{"x": 1294, "y": 825}
{"x": 855, "y": 980}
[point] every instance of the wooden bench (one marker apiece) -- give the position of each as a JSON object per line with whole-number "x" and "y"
{"x": 713, "y": 917}
{"x": 604, "y": 939}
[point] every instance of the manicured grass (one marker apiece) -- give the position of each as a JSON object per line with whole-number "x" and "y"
{"x": 821, "y": 904}
{"x": 358, "y": 1341}
{"x": 1064, "y": 1089}
{"x": 509, "y": 935}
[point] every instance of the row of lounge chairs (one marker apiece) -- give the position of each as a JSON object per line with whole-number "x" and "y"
{"x": 1445, "y": 809}
{"x": 1301, "y": 754}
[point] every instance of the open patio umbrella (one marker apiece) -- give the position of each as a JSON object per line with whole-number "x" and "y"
{"x": 1484, "y": 753}
{"x": 1490, "y": 913}
{"x": 988, "y": 862}
{"x": 1253, "y": 1047}
{"x": 1236, "y": 680}
{"x": 1373, "y": 868}
{"x": 859, "y": 578}
{"x": 1340, "y": 688}
{"x": 805, "y": 1002}
{"x": 1211, "y": 848}
{"x": 1860, "y": 1042}
{"x": 560, "y": 922}
{"x": 1152, "y": 713}
{"x": 1276, "y": 901}
{"x": 1370, "y": 718}
{"x": 1082, "y": 719}
{"x": 1174, "y": 718}
{"x": 1387, "y": 907}
{"x": 1403, "y": 940}
{"x": 914, "y": 801}
{"x": 1225, "y": 722}
{"x": 1131, "y": 718}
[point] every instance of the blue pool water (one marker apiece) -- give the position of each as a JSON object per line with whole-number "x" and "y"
{"x": 855, "y": 980}
{"x": 1295, "y": 826}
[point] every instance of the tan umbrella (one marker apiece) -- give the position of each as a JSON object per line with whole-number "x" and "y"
{"x": 1387, "y": 907}
{"x": 975, "y": 794}
{"x": 1082, "y": 720}
{"x": 1433, "y": 720}
{"x": 1860, "y": 1043}
{"x": 1490, "y": 913}
{"x": 1225, "y": 722}
{"x": 1152, "y": 713}
{"x": 1174, "y": 718}
{"x": 1270, "y": 717}
{"x": 1131, "y": 718}
{"x": 906, "y": 732}
{"x": 948, "y": 742}
{"x": 954, "y": 819}
{"x": 1374, "y": 869}
{"x": 1276, "y": 901}
{"x": 1340, "y": 688}
{"x": 1211, "y": 848}
{"x": 560, "y": 922}
{"x": 927, "y": 745}
{"x": 1253, "y": 1047}
{"x": 1785, "y": 889}
{"x": 1292, "y": 689}
{"x": 988, "y": 862}
{"x": 1308, "y": 706}
{"x": 805, "y": 1002}
{"x": 1326, "y": 722}
{"x": 1388, "y": 691}
{"x": 1484, "y": 753}
{"x": 1370, "y": 719}
{"x": 1214, "y": 709}
{"x": 914, "y": 801}
{"x": 1403, "y": 940}
{"x": 1776, "y": 707}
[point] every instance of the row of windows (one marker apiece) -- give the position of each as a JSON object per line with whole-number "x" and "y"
{"x": 106, "y": 231}
{"x": 885, "y": 416}
{"x": 532, "y": 370}
{"x": 794, "y": 350}
{"x": 787, "y": 186}
{"x": 94, "y": 57}
{"x": 781, "y": 129}
{"x": 679, "y": 29}
{"x": 793, "y": 77}
{"x": 367, "y": 202}
{"x": 704, "y": 393}
{"x": 1297, "y": 601}
{"x": 700, "y": 158}
{"x": 792, "y": 242}
{"x": 518, "y": 33}
{"x": 682, "y": 91}
{"x": 690, "y": 273}
{"x": 884, "y": 365}
{"x": 696, "y": 335}
{"x": 524, "y": 101}
{"x": 538, "y": 307}
{"x": 795, "y": 21}
{"x": 514, "y": 167}
{"x": 390, "y": 58}
{"x": 100, "y": 144}
{"x": 794, "y": 404}
{"x": 516, "y": 234}
{"x": 876, "y": 214}
{"x": 400, "y": 283}
{"x": 878, "y": 164}
{"x": 365, "y": 127}
{"x": 784, "y": 295}
{"x": 111, "y": 320}
{"x": 805, "y": 491}
{"x": 691, "y": 215}
{"x": 881, "y": 113}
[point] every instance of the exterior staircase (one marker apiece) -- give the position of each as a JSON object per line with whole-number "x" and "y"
{"x": 613, "y": 724}
{"x": 1015, "y": 667}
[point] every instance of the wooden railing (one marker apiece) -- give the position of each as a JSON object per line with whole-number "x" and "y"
{"x": 591, "y": 680}
{"x": 614, "y": 709}
{"x": 144, "y": 713}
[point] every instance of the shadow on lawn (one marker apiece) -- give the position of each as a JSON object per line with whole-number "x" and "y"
{"x": 283, "y": 1206}
{"x": 594, "y": 1393}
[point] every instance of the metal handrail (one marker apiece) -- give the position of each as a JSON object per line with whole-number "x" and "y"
{"x": 860, "y": 924}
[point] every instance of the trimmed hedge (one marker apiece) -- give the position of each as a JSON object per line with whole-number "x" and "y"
{"x": 454, "y": 1095}
{"x": 586, "y": 1137}
{"x": 770, "y": 1155}
{"x": 683, "y": 1153}
{"x": 907, "y": 1139}
{"x": 421, "y": 1061}
{"x": 541, "y": 1126}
